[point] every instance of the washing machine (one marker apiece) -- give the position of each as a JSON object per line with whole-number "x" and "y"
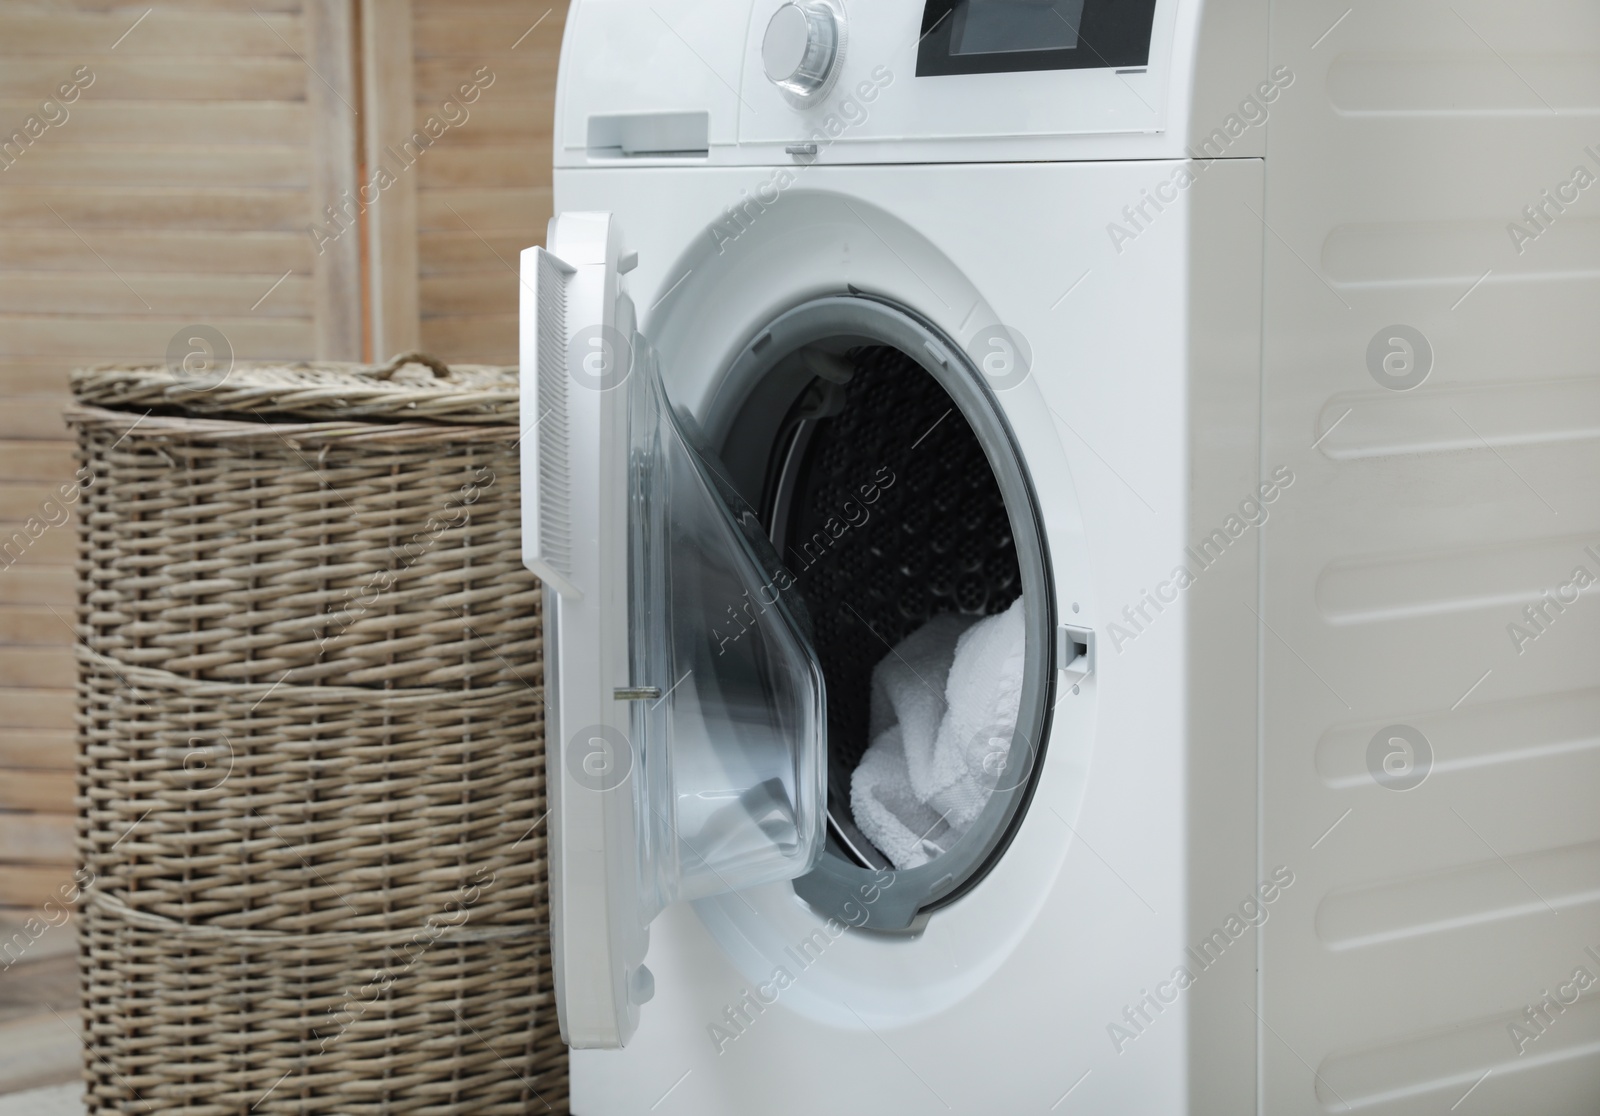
{"x": 1251, "y": 346}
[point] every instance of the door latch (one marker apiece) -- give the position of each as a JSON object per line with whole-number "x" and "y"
{"x": 1075, "y": 652}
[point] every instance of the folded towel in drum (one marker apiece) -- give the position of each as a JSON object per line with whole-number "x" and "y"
{"x": 944, "y": 707}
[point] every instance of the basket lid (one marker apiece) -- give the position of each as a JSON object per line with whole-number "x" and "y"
{"x": 412, "y": 387}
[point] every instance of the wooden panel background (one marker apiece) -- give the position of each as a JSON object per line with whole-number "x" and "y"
{"x": 483, "y": 192}
{"x": 181, "y": 189}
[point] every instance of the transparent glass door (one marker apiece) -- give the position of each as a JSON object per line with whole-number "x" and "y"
{"x": 684, "y": 705}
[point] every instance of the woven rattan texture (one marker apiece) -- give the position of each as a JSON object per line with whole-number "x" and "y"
{"x": 311, "y": 771}
{"x": 319, "y": 552}
{"x": 411, "y": 391}
{"x": 460, "y": 1025}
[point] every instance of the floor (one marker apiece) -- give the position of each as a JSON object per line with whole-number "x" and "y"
{"x": 56, "y": 1100}
{"x": 40, "y": 1057}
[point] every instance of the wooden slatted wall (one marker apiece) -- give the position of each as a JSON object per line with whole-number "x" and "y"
{"x": 175, "y": 189}
{"x": 484, "y": 194}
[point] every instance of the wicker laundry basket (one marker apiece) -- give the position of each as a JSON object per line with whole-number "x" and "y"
{"x": 311, "y": 778}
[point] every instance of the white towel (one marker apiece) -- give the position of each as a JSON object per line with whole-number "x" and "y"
{"x": 944, "y": 707}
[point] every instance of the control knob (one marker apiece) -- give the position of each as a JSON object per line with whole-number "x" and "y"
{"x": 801, "y": 49}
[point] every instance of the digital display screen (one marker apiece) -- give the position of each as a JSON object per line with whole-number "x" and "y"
{"x": 1010, "y": 36}
{"x": 1001, "y": 26}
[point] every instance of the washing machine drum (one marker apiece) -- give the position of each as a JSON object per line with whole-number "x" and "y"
{"x": 886, "y": 510}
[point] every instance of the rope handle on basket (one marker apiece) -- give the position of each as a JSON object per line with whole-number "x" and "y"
{"x": 433, "y": 363}
{"x": 118, "y": 911}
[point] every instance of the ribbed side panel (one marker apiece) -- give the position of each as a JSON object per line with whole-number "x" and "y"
{"x": 552, "y": 430}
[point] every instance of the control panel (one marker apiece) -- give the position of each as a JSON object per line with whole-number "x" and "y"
{"x": 871, "y": 81}
{"x": 954, "y": 69}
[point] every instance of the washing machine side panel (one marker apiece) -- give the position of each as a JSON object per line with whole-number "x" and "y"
{"x": 1230, "y": 505}
{"x": 1432, "y": 755}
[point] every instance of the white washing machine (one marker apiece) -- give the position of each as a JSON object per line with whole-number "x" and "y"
{"x": 1252, "y": 345}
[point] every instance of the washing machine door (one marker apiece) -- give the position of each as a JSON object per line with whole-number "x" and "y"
{"x": 684, "y": 717}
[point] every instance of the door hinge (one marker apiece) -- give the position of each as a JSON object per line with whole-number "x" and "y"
{"x": 636, "y": 693}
